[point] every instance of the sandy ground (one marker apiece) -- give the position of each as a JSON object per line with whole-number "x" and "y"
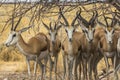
{"x": 18, "y": 71}
{"x": 24, "y": 76}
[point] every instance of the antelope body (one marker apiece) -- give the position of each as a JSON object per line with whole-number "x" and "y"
{"x": 71, "y": 52}
{"x": 36, "y": 48}
{"x": 55, "y": 46}
{"x": 87, "y": 43}
{"x": 70, "y": 47}
{"x": 108, "y": 43}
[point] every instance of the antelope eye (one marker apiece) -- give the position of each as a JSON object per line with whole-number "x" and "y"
{"x": 86, "y": 31}
{"x": 83, "y": 31}
{"x": 49, "y": 33}
{"x": 93, "y": 30}
{"x": 55, "y": 33}
{"x": 113, "y": 32}
{"x": 66, "y": 31}
{"x": 105, "y": 31}
{"x": 74, "y": 30}
{"x": 14, "y": 35}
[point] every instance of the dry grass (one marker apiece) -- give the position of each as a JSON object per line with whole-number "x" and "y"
{"x": 12, "y": 60}
{"x": 12, "y": 66}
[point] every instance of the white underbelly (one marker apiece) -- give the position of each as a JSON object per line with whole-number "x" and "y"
{"x": 28, "y": 55}
{"x": 109, "y": 54}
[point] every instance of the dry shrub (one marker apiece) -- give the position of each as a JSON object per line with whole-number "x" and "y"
{"x": 10, "y": 54}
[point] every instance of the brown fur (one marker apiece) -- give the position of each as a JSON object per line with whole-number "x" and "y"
{"x": 75, "y": 44}
{"x": 35, "y": 45}
{"x": 56, "y": 47}
{"x": 104, "y": 42}
{"x": 100, "y": 38}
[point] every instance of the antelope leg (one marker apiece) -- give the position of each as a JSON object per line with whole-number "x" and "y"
{"x": 115, "y": 73}
{"x": 51, "y": 66}
{"x": 35, "y": 66}
{"x": 28, "y": 64}
{"x": 71, "y": 68}
{"x": 67, "y": 68}
{"x": 76, "y": 63}
{"x": 64, "y": 67}
{"x": 84, "y": 63}
{"x": 95, "y": 63}
{"x": 90, "y": 68}
{"x": 41, "y": 66}
{"x": 107, "y": 65}
{"x": 55, "y": 66}
{"x": 45, "y": 63}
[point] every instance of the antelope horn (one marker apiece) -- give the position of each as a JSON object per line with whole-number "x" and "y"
{"x": 55, "y": 26}
{"x": 101, "y": 23}
{"x": 92, "y": 20}
{"x": 50, "y": 25}
{"x": 12, "y": 28}
{"x": 114, "y": 21}
{"x": 73, "y": 22}
{"x": 106, "y": 21}
{"x": 18, "y": 22}
{"x": 46, "y": 26}
{"x": 82, "y": 19}
{"x": 12, "y": 22}
{"x": 65, "y": 20}
{"x": 26, "y": 28}
{"x": 118, "y": 16}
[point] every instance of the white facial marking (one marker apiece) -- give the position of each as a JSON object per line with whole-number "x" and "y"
{"x": 70, "y": 32}
{"x": 118, "y": 42}
{"x": 109, "y": 35}
{"x": 12, "y": 39}
{"x": 89, "y": 34}
{"x": 53, "y": 35}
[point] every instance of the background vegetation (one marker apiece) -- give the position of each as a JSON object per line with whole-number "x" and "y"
{"x": 10, "y": 58}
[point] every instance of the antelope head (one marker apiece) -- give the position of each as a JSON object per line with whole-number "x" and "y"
{"x": 69, "y": 28}
{"x": 52, "y": 31}
{"x": 88, "y": 28}
{"x": 109, "y": 28}
{"x": 14, "y": 34}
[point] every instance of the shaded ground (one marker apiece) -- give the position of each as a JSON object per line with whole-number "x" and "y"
{"x": 24, "y": 76}
{"x": 16, "y": 76}
{"x": 18, "y": 71}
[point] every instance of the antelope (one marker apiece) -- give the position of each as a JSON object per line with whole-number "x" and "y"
{"x": 87, "y": 42}
{"x": 117, "y": 33}
{"x": 108, "y": 42}
{"x": 70, "y": 47}
{"x": 117, "y": 66}
{"x": 55, "y": 44}
{"x": 33, "y": 49}
{"x": 100, "y": 33}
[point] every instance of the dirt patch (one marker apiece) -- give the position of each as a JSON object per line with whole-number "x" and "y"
{"x": 17, "y": 76}
{"x": 12, "y": 66}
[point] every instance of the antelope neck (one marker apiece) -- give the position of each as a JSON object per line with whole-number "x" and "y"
{"x": 109, "y": 46}
{"x": 22, "y": 45}
{"x": 70, "y": 47}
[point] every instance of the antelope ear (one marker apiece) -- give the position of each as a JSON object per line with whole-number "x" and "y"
{"x": 83, "y": 27}
{"x": 62, "y": 24}
{"x": 84, "y": 30}
{"x": 100, "y": 24}
{"x": 81, "y": 24}
{"x": 76, "y": 25}
{"x": 94, "y": 24}
{"x": 24, "y": 29}
{"x": 59, "y": 27}
{"x": 46, "y": 26}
